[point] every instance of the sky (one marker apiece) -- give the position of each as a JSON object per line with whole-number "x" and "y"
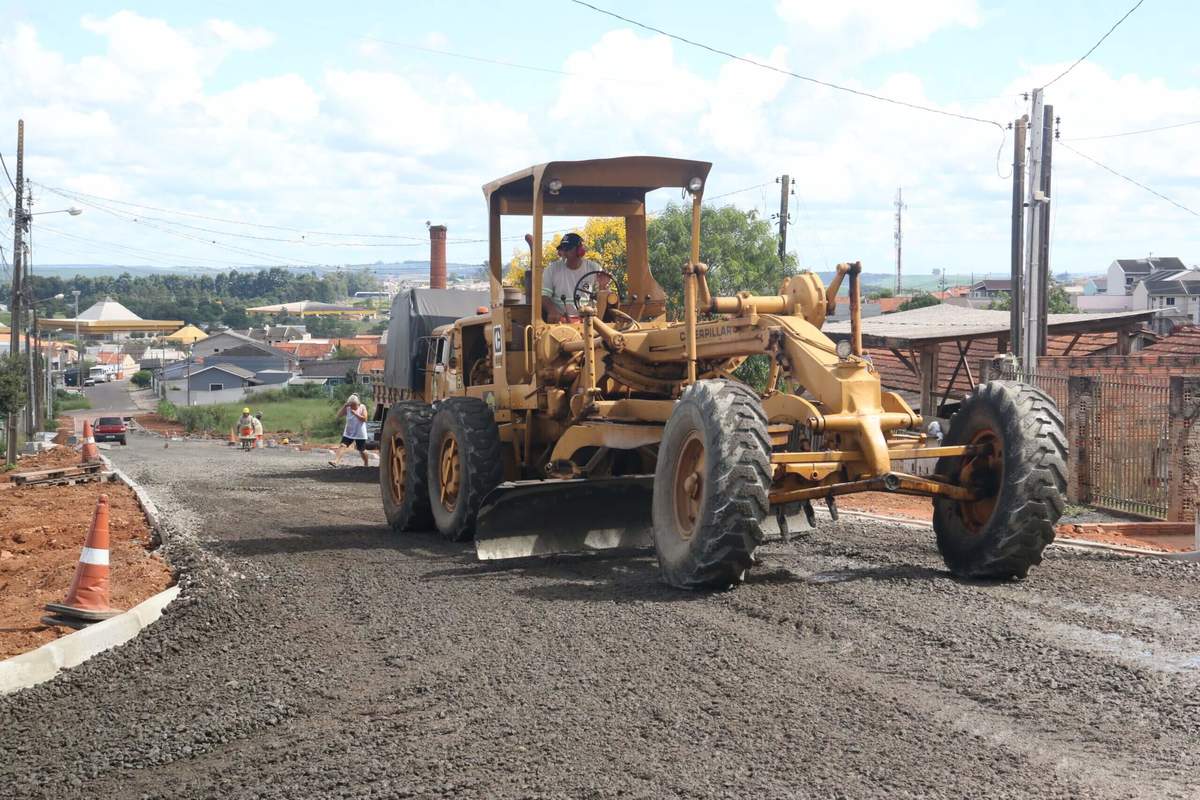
{"x": 252, "y": 134}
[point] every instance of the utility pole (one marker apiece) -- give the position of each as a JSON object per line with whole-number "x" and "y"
{"x": 784, "y": 190}
{"x": 1015, "y": 315}
{"x": 899, "y": 235}
{"x": 33, "y": 408}
{"x": 14, "y": 338}
{"x": 1032, "y": 300}
{"x": 1044, "y": 272}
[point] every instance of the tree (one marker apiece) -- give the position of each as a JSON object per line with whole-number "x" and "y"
{"x": 1057, "y": 301}
{"x": 740, "y": 249}
{"x": 12, "y": 384}
{"x": 141, "y": 378}
{"x": 328, "y": 327}
{"x": 919, "y": 300}
{"x": 879, "y": 292}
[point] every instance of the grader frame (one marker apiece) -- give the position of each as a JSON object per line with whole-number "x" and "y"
{"x": 578, "y": 407}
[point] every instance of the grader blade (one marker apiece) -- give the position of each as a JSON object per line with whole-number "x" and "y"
{"x": 539, "y": 518}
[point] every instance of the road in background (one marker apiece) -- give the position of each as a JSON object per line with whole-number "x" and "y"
{"x": 314, "y": 653}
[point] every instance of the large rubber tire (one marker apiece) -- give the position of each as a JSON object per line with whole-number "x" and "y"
{"x": 406, "y": 500}
{"x": 1004, "y": 539}
{"x": 706, "y": 536}
{"x": 470, "y": 423}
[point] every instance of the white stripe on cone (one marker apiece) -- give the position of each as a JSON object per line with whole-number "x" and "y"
{"x": 89, "y": 440}
{"x": 92, "y": 555}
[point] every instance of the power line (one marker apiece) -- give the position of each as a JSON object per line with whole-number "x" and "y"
{"x": 1135, "y": 133}
{"x": 1138, "y": 184}
{"x": 73, "y": 194}
{"x": 6, "y": 174}
{"x": 736, "y": 191}
{"x": 1080, "y": 60}
{"x": 781, "y": 71}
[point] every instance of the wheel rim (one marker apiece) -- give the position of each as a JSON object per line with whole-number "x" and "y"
{"x": 399, "y": 469}
{"x": 449, "y": 473}
{"x": 983, "y": 472}
{"x": 688, "y": 485}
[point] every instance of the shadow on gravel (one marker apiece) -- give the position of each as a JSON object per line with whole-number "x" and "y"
{"x": 355, "y": 536}
{"x": 324, "y": 473}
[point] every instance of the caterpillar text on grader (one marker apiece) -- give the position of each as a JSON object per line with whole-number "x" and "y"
{"x": 624, "y": 429}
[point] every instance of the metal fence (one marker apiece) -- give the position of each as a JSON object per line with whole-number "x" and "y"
{"x": 1124, "y": 425}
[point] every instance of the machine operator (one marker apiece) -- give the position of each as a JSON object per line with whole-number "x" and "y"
{"x": 560, "y": 278}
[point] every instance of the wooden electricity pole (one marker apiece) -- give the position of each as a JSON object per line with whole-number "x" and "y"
{"x": 784, "y": 190}
{"x": 1016, "y": 296}
{"x": 899, "y": 236}
{"x": 14, "y": 336}
{"x": 1032, "y": 317}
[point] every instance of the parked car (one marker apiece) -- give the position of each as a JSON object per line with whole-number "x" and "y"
{"x": 109, "y": 429}
{"x": 89, "y": 381}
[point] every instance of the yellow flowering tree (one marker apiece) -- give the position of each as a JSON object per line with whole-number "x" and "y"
{"x": 605, "y": 241}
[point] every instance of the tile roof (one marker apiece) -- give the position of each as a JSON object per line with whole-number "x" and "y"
{"x": 1184, "y": 340}
{"x": 306, "y": 350}
{"x": 364, "y": 348}
{"x": 371, "y": 365}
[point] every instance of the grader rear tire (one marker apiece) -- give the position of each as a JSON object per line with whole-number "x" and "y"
{"x": 403, "y": 473}
{"x": 710, "y": 486}
{"x": 1024, "y": 481}
{"x": 464, "y": 464}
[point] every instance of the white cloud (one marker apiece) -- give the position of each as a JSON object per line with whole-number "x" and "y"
{"x": 874, "y": 26}
{"x": 236, "y": 37}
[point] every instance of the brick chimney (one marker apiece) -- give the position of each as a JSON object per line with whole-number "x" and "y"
{"x": 437, "y": 256}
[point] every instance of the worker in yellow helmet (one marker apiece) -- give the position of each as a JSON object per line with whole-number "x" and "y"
{"x": 245, "y": 428}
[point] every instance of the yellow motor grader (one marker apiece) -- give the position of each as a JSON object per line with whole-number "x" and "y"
{"x": 625, "y": 428}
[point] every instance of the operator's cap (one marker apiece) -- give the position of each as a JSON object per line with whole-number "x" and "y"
{"x": 571, "y": 240}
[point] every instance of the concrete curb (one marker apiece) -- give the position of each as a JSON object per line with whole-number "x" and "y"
{"x": 148, "y": 507}
{"x": 42, "y": 664}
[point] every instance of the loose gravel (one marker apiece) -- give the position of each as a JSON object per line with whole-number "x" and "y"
{"x": 314, "y": 653}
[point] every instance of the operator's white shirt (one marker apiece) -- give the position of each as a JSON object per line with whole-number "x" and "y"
{"x": 558, "y": 282}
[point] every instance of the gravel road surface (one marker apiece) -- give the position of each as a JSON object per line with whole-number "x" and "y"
{"x": 313, "y": 653}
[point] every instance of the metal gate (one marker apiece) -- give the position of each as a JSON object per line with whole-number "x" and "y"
{"x": 1125, "y": 423}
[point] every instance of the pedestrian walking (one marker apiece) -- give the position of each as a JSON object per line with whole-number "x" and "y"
{"x": 354, "y": 435}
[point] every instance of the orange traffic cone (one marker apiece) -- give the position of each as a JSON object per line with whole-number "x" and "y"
{"x": 87, "y": 599}
{"x": 233, "y": 437}
{"x": 90, "y": 451}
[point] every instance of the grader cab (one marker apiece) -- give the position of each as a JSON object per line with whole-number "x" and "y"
{"x": 627, "y": 429}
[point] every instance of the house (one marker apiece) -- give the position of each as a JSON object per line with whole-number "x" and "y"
{"x": 220, "y": 377}
{"x": 118, "y": 365}
{"x": 308, "y": 349}
{"x": 334, "y": 371}
{"x": 276, "y": 334}
{"x": 363, "y": 345}
{"x": 1176, "y": 293}
{"x": 1124, "y": 274}
{"x": 370, "y": 368}
{"x": 1095, "y": 286}
{"x": 991, "y": 288}
{"x": 229, "y": 347}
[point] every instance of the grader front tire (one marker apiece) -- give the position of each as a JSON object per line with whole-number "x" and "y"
{"x": 403, "y": 450}
{"x": 1023, "y": 480}
{"x": 710, "y": 486}
{"x": 464, "y": 464}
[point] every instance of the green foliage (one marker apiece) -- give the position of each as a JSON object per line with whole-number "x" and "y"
{"x": 142, "y": 378}
{"x": 740, "y": 250}
{"x": 12, "y": 384}
{"x": 301, "y": 409}
{"x": 201, "y": 300}
{"x": 69, "y": 401}
{"x": 919, "y": 300}
{"x": 328, "y": 327}
{"x": 167, "y": 410}
{"x": 1057, "y": 301}
{"x": 880, "y": 292}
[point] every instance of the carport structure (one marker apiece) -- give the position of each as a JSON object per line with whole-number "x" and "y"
{"x": 916, "y": 337}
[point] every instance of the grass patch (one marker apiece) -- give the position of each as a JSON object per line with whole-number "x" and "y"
{"x": 282, "y": 412}
{"x": 70, "y": 402}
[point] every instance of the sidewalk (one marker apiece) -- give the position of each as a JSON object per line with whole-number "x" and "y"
{"x": 144, "y": 399}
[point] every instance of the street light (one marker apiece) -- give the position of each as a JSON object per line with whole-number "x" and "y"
{"x": 74, "y": 211}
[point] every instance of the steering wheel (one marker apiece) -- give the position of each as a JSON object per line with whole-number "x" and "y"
{"x": 592, "y": 294}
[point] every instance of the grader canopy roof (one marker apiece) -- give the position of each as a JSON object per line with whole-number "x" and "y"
{"x": 601, "y": 180}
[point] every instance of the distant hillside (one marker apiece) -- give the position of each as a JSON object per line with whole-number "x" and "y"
{"x": 402, "y": 268}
